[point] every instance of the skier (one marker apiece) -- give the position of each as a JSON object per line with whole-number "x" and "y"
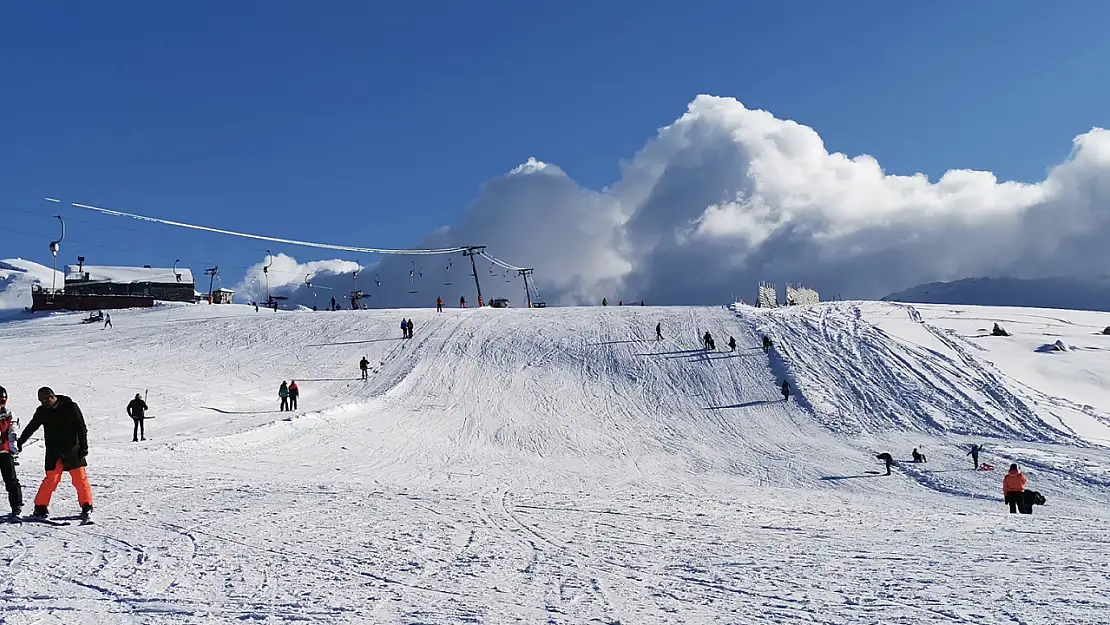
{"x": 659, "y": 331}
{"x": 888, "y": 459}
{"x": 404, "y": 328}
{"x": 731, "y": 344}
{"x": 974, "y": 453}
{"x": 918, "y": 457}
{"x": 137, "y": 411}
{"x": 67, "y": 445}
{"x": 8, "y": 450}
{"x": 294, "y": 393}
{"x": 439, "y": 304}
{"x": 283, "y": 393}
{"x": 364, "y": 366}
{"x": 1013, "y": 490}
{"x": 785, "y": 390}
{"x": 107, "y": 321}
{"x": 766, "y": 344}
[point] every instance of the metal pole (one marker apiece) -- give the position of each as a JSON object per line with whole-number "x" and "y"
{"x": 527, "y": 291}
{"x": 470, "y": 251}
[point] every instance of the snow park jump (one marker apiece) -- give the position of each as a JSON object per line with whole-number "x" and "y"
{"x": 587, "y": 465}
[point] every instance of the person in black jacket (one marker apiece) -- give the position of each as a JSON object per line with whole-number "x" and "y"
{"x": 137, "y": 411}
{"x": 67, "y": 445}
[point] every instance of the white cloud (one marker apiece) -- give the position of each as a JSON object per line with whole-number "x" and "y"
{"x": 726, "y": 196}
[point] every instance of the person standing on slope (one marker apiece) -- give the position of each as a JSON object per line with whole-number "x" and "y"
{"x": 439, "y": 304}
{"x": 974, "y": 453}
{"x": 9, "y": 447}
{"x": 731, "y": 344}
{"x": 766, "y": 344}
{"x": 137, "y": 411}
{"x": 283, "y": 393}
{"x": 107, "y": 321}
{"x": 707, "y": 340}
{"x": 294, "y": 393}
{"x": 462, "y": 301}
{"x": 659, "y": 331}
{"x": 404, "y": 328}
{"x": 67, "y": 446}
{"x": 410, "y": 328}
{"x": 364, "y": 366}
{"x": 887, "y": 459}
{"x": 785, "y": 390}
{"x": 1013, "y": 489}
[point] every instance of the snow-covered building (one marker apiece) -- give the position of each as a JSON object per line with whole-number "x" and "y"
{"x": 175, "y": 285}
{"x": 223, "y": 296}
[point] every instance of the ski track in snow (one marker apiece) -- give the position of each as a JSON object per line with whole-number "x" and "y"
{"x": 562, "y": 466}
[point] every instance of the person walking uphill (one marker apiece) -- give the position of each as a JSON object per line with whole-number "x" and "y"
{"x": 137, "y": 411}
{"x": 294, "y": 393}
{"x": 9, "y": 447}
{"x": 67, "y": 445}
{"x": 1013, "y": 489}
{"x": 283, "y": 393}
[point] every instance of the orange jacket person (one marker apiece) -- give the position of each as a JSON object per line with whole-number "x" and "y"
{"x": 1013, "y": 488}
{"x": 67, "y": 444}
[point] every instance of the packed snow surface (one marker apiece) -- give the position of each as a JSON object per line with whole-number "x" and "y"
{"x": 561, "y": 465}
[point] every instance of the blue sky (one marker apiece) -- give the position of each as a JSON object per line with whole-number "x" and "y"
{"x": 374, "y": 123}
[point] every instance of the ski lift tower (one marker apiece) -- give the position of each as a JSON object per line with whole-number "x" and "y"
{"x": 524, "y": 273}
{"x": 473, "y": 251}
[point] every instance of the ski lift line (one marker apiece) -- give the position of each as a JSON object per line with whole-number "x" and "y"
{"x": 259, "y": 237}
{"x": 500, "y": 263}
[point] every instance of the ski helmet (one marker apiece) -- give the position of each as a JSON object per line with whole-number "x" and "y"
{"x": 3, "y": 393}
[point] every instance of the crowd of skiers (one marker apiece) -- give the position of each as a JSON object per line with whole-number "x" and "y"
{"x": 66, "y": 447}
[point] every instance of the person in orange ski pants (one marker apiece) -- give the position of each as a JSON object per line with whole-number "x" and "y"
{"x": 67, "y": 445}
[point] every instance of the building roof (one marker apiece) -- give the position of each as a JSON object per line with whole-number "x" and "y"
{"x": 124, "y": 275}
{"x": 222, "y": 290}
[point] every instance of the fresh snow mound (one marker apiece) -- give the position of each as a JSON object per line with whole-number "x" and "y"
{"x": 560, "y": 465}
{"x": 17, "y": 276}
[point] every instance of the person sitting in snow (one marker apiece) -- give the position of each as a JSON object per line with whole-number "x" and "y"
{"x": 999, "y": 331}
{"x": 918, "y": 457}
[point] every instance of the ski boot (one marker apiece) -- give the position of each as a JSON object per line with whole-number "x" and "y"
{"x": 40, "y": 512}
{"x": 86, "y": 510}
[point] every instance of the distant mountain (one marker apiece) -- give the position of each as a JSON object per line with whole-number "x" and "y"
{"x": 1065, "y": 293}
{"x": 16, "y": 277}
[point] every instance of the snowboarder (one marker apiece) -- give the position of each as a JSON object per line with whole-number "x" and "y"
{"x": 439, "y": 304}
{"x": 888, "y": 459}
{"x": 918, "y": 457}
{"x": 785, "y": 390}
{"x": 1013, "y": 490}
{"x": 731, "y": 344}
{"x": 708, "y": 340}
{"x": 283, "y": 393}
{"x": 974, "y": 453}
{"x": 294, "y": 393}
{"x": 766, "y": 344}
{"x": 9, "y": 447}
{"x": 67, "y": 446}
{"x": 137, "y": 411}
{"x": 604, "y": 302}
{"x": 659, "y": 331}
{"x": 107, "y": 321}
{"x": 364, "y": 366}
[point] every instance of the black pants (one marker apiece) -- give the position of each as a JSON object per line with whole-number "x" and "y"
{"x": 139, "y": 430}
{"x": 292, "y": 402}
{"x": 1016, "y": 500}
{"x": 364, "y": 375}
{"x": 284, "y": 404}
{"x": 11, "y": 481}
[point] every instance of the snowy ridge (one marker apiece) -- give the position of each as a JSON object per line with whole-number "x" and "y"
{"x": 560, "y": 465}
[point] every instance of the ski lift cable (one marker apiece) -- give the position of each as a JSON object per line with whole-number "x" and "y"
{"x": 259, "y": 237}
{"x": 500, "y": 263}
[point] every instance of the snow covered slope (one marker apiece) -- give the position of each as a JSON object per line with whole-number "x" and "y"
{"x": 563, "y": 466}
{"x": 16, "y": 278}
{"x": 1062, "y": 293}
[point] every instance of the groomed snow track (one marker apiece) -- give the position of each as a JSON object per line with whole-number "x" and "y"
{"x": 553, "y": 466}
